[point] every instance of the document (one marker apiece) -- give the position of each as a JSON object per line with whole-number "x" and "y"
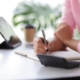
{"x": 63, "y": 54}
{"x": 68, "y": 55}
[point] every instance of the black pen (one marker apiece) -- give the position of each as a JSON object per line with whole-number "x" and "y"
{"x": 45, "y": 42}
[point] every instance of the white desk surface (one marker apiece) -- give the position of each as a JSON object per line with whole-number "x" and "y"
{"x": 14, "y": 66}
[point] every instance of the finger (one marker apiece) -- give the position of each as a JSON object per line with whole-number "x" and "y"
{"x": 40, "y": 39}
{"x": 39, "y": 43}
{"x": 40, "y": 50}
{"x": 50, "y": 46}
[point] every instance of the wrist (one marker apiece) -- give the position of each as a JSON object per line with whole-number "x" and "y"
{"x": 67, "y": 41}
{"x": 58, "y": 44}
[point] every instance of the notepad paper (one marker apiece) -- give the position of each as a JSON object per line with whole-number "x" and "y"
{"x": 65, "y": 54}
{"x": 69, "y": 55}
{"x": 62, "y": 54}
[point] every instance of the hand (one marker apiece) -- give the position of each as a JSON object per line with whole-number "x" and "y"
{"x": 64, "y": 33}
{"x": 39, "y": 46}
{"x": 56, "y": 45}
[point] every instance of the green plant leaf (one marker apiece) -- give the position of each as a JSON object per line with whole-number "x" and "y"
{"x": 28, "y": 13}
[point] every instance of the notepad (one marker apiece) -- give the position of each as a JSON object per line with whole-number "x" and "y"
{"x": 60, "y": 59}
{"x": 66, "y": 54}
{"x": 63, "y": 54}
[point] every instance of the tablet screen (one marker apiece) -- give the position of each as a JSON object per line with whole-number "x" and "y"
{"x": 1, "y": 39}
{"x": 8, "y": 33}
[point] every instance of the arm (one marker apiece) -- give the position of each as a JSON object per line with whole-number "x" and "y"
{"x": 56, "y": 44}
{"x": 65, "y": 35}
{"x": 66, "y": 27}
{"x": 67, "y": 16}
{"x": 73, "y": 44}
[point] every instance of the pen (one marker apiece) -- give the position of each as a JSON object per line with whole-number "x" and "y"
{"x": 28, "y": 56}
{"x": 45, "y": 40}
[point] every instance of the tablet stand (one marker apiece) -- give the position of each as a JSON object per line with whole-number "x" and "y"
{"x": 5, "y": 45}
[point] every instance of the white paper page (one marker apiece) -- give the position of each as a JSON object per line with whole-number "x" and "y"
{"x": 65, "y": 54}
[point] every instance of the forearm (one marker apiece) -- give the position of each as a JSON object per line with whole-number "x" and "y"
{"x": 64, "y": 33}
{"x": 72, "y": 44}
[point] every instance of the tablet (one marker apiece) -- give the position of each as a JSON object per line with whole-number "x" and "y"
{"x": 7, "y": 34}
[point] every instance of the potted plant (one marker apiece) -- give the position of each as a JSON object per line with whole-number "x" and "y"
{"x": 41, "y": 16}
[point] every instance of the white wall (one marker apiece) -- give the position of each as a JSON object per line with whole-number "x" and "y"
{"x": 7, "y": 7}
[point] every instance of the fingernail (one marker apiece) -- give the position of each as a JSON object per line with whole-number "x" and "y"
{"x": 46, "y": 48}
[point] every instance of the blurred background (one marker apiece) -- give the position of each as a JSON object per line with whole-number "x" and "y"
{"x": 42, "y": 14}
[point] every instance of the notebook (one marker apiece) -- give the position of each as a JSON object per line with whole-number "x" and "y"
{"x": 60, "y": 59}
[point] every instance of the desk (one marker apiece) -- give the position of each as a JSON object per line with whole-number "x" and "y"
{"x": 14, "y": 66}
